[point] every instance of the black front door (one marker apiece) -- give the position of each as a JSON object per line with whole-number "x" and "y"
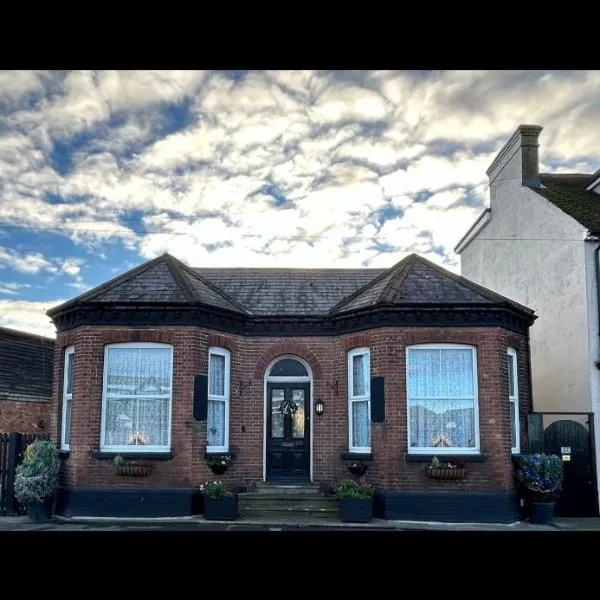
{"x": 288, "y": 432}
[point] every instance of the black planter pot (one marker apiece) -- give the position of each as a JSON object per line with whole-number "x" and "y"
{"x": 356, "y": 510}
{"x": 40, "y": 511}
{"x": 224, "y": 509}
{"x": 541, "y": 513}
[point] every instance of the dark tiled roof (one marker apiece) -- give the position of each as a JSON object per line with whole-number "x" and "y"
{"x": 164, "y": 280}
{"x": 567, "y": 192}
{"x": 153, "y": 285}
{"x": 289, "y": 291}
{"x": 25, "y": 366}
{"x": 416, "y": 280}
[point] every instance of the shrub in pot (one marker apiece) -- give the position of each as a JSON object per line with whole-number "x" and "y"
{"x": 220, "y": 504}
{"x": 356, "y": 501}
{"x": 36, "y": 479}
{"x": 540, "y": 477}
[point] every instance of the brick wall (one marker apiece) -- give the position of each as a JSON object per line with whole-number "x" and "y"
{"x": 25, "y": 416}
{"x": 327, "y": 359}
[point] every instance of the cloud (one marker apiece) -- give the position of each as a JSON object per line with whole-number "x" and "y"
{"x": 28, "y": 316}
{"x": 32, "y": 263}
{"x": 12, "y": 288}
{"x": 274, "y": 168}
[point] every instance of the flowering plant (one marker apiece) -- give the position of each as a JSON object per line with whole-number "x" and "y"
{"x": 541, "y": 476}
{"x": 219, "y": 460}
{"x": 452, "y": 463}
{"x": 350, "y": 489}
{"x": 215, "y": 490}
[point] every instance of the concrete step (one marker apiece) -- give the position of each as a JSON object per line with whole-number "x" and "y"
{"x": 269, "y": 502}
{"x": 275, "y": 501}
{"x": 296, "y": 490}
{"x": 288, "y": 513}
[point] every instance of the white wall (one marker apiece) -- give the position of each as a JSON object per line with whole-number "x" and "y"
{"x": 533, "y": 253}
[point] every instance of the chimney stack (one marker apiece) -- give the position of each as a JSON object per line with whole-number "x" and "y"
{"x": 518, "y": 158}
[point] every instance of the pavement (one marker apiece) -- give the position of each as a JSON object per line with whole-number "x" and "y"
{"x": 198, "y": 523}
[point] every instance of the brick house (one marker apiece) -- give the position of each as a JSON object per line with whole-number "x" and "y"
{"x": 176, "y": 364}
{"x": 25, "y": 382}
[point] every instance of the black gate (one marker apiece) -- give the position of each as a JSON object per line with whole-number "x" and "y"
{"x": 12, "y": 447}
{"x": 571, "y": 437}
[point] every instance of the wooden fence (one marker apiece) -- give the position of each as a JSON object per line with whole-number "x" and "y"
{"x": 12, "y": 447}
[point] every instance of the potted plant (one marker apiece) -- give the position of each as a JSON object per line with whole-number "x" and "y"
{"x": 540, "y": 477}
{"x": 36, "y": 479}
{"x": 219, "y": 463}
{"x": 356, "y": 501}
{"x": 448, "y": 469}
{"x": 220, "y": 504}
{"x": 132, "y": 468}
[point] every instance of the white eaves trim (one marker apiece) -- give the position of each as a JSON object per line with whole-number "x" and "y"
{"x": 483, "y": 219}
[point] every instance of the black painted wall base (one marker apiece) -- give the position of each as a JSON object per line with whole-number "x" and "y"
{"x": 447, "y": 507}
{"x": 96, "y": 502}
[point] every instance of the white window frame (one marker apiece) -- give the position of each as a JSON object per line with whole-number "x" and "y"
{"x": 437, "y": 450}
{"x": 514, "y": 399}
{"x": 67, "y": 398}
{"x": 352, "y": 398}
{"x": 132, "y": 448}
{"x": 226, "y": 398}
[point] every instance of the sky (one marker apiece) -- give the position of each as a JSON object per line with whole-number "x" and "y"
{"x": 101, "y": 171}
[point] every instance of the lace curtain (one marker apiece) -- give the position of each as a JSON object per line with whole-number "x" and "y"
{"x": 441, "y": 398}
{"x": 216, "y": 407}
{"x": 138, "y": 396}
{"x": 360, "y": 408}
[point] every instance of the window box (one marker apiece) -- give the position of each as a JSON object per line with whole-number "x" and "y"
{"x": 357, "y": 463}
{"x": 134, "y": 468}
{"x": 445, "y": 473}
{"x": 218, "y": 462}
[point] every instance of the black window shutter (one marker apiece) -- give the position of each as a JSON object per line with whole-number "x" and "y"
{"x": 377, "y": 400}
{"x": 201, "y": 397}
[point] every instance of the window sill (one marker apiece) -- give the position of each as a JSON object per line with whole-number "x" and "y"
{"x": 64, "y": 453}
{"x": 133, "y": 455}
{"x": 429, "y": 457}
{"x": 211, "y": 454}
{"x": 357, "y": 456}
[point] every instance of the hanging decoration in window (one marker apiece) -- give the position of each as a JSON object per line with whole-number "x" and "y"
{"x": 288, "y": 407}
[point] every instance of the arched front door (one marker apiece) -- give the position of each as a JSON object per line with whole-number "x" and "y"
{"x": 287, "y": 424}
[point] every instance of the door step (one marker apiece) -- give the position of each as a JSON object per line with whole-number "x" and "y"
{"x": 288, "y": 501}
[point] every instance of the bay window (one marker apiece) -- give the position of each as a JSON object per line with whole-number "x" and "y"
{"x": 137, "y": 396}
{"x": 218, "y": 400}
{"x": 441, "y": 381}
{"x": 359, "y": 401}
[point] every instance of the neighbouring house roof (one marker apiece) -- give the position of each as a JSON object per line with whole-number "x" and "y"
{"x": 290, "y": 292}
{"x": 26, "y": 362}
{"x": 567, "y": 192}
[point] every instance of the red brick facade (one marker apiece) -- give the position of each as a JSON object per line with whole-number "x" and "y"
{"x": 25, "y": 416}
{"x": 327, "y": 357}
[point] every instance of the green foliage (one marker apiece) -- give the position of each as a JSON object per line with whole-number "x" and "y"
{"x": 215, "y": 490}
{"x": 118, "y": 461}
{"x": 36, "y": 477}
{"x": 349, "y": 488}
